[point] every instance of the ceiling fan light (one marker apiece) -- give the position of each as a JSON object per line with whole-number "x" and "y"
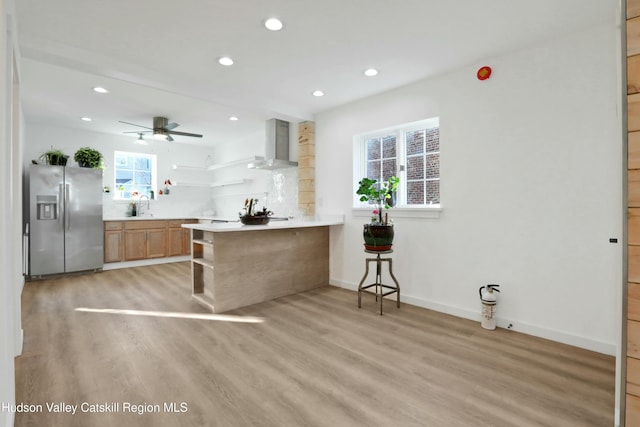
{"x": 141, "y": 140}
{"x": 161, "y": 136}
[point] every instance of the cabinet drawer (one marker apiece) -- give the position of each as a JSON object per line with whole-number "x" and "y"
{"x": 176, "y": 223}
{"x": 113, "y": 225}
{"x": 144, "y": 225}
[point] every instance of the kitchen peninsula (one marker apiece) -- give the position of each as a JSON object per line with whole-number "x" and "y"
{"x": 234, "y": 265}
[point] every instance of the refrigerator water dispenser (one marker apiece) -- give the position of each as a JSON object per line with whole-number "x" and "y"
{"x": 47, "y": 207}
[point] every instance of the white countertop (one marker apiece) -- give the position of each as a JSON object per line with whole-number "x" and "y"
{"x": 146, "y": 218}
{"x": 225, "y": 227}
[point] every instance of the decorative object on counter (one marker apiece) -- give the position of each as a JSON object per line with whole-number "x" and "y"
{"x": 106, "y": 189}
{"x": 132, "y": 209}
{"x": 167, "y": 183}
{"x": 253, "y": 217}
{"x": 88, "y": 158}
{"x": 54, "y": 157}
{"x": 378, "y": 234}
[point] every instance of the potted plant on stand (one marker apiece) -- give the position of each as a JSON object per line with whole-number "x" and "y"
{"x": 378, "y": 234}
{"x": 88, "y": 158}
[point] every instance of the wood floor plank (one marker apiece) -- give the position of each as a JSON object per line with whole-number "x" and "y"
{"x": 314, "y": 360}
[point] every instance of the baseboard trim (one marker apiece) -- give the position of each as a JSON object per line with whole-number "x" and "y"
{"x": 515, "y": 325}
{"x": 144, "y": 262}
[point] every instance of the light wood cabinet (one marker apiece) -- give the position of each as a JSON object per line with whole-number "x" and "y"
{"x": 135, "y": 245}
{"x": 145, "y": 239}
{"x": 178, "y": 238}
{"x": 113, "y": 241}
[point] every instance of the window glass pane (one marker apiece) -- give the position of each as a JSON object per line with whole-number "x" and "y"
{"x": 143, "y": 178}
{"x": 388, "y": 169}
{"x": 389, "y": 146}
{"x": 433, "y": 165}
{"x": 373, "y": 170}
{"x": 433, "y": 192}
{"x": 373, "y": 149}
{"x": 143, "y": 164}
{"x": 415, "y": 142}
{"x": 415, "y": 167}
{"x": 415, "y": 192}
{"x": 432, "y": 139}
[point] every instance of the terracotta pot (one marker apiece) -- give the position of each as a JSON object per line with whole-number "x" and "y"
{"x": 378, "y": 237}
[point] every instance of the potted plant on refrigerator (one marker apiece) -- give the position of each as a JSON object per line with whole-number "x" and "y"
{"x": 54, "y": 157}
{"x": 378, "y": 234}
{"x": 88, "y": 158}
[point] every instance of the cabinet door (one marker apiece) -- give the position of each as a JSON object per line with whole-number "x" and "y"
{"x": 175, "y": 246}
{"x": 156, "y": 241}
{"x": 135, "y": 244}
{"x": 113, "y": 246}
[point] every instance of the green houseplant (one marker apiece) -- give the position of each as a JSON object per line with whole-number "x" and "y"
{"x": 378, "y": 234}
{"x": 88, "y": 158}
{"x": 54, "y": 157}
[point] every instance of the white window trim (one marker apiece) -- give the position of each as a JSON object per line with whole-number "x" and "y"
{"x": 360, "y": 209}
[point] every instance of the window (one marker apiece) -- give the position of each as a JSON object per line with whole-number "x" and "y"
{"x": 411, "y": 152}
{"x": 134, "y": 172}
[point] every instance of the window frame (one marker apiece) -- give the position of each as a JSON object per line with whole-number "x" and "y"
{"x": 402, "y": 209}
{"x": 154, "y": 170}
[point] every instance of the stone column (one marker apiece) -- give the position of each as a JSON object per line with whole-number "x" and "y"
{"x": 306, "y": 168}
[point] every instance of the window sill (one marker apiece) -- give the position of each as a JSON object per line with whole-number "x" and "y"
{"x": 404, "y": 212}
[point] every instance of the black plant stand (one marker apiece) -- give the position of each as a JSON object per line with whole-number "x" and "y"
{"x": 378, "y": 283}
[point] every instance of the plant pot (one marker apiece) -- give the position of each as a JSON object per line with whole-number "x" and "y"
{"x": 254, "y": 220}
{"x": 378, "y": 237}
{"x": 57, "y": 160}
{"x": 84, "y": 164}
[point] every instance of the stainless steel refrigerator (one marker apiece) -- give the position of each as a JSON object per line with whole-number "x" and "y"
{"x": 65, "y": 219}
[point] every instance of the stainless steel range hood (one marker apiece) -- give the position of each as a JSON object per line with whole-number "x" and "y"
{"x": 277, "y": 147}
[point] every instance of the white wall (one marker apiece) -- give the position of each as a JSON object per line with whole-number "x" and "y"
{"x": 531, "y": 189}
{"x": 10, "y": 231}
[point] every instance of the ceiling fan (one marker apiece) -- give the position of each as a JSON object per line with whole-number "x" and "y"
{"x": 161, "y": 129}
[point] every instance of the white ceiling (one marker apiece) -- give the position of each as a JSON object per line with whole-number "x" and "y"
{"x": 159, "y": 58}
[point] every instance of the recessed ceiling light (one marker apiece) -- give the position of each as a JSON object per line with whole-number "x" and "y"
{"x": 100, "y": 89}
{"x": 225, "y": 60}
{"x": 86, "y": 119}
{"x": 370, "y": 72}
{"x": 273, "y": 24}
{"x": 317, "y": 93}
{"x": 233, "y": 118}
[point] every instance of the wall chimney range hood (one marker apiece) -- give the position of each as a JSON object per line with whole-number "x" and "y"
{"x": 276, "y": 147}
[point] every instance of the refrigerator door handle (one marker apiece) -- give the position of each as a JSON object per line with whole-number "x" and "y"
{"x": 59, "y": 207}
{"x": 67, "y": 214}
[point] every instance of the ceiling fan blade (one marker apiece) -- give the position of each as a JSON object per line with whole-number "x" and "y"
{"x": 169, "y": 138}
{"x": 195, "y": 135}
{"x": 137, "y": 131}
{"x": 170, "y": 126}
{"x": 133, "y": 124}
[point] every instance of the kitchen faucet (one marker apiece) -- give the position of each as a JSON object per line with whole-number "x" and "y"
{"x": 140, "y": 206}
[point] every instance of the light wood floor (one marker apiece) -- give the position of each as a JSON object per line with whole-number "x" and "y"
{"x": 315, "y": 360}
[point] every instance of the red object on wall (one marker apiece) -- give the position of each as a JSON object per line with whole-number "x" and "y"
{"x": 484, "y": 73}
